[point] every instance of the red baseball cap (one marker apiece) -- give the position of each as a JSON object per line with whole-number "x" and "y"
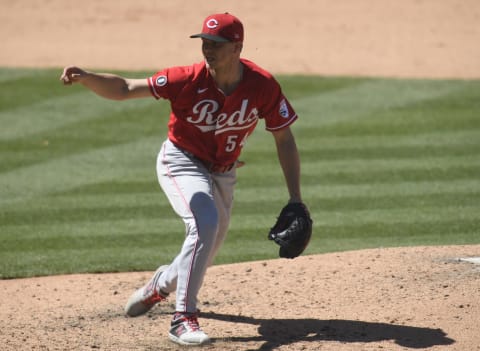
{"x": 222, "y": 27}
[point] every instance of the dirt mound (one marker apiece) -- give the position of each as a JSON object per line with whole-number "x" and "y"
{"x": 390, "y": 299}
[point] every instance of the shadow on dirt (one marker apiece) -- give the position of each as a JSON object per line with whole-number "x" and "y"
{"x": 277, "y": 332}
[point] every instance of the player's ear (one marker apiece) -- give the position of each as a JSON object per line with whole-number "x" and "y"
{"x": 238, "y": 47}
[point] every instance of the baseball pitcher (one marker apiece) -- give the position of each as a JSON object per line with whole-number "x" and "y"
{"x": 215, "y": 106}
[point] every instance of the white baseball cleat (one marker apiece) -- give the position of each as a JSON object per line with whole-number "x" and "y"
{"x": 143, "y": 299}
{"x": 186, "y": 331}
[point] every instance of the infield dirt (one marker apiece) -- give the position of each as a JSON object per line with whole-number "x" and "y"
{"x": 380, "y": 299}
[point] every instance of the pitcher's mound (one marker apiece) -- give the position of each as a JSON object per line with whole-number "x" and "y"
{"x": 379, "y": 299}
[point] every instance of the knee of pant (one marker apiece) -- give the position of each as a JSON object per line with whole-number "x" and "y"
{"x": 207, "y": 225}
{"x": 205, "y": 213}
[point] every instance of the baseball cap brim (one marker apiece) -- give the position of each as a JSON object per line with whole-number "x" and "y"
{"x": 210, "y": 37}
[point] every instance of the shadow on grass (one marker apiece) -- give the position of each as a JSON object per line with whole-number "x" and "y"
{"x": 278, "y": 332}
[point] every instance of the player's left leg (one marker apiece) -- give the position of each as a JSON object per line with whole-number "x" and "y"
{"x": 223, "y": 189}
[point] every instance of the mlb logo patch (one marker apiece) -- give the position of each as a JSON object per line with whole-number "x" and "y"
{"x": 161, "y": 81}
{"x": 283, "y": 110}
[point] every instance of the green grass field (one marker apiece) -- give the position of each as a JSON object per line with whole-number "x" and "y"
{"x": 385, "y": 162}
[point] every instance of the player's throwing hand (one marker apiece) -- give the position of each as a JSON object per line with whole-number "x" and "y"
{"x": 72, "y": 75}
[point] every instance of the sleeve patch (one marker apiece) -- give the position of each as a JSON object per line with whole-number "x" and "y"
{"x": 283, "y": 109}
{"x": 161, "y": 81}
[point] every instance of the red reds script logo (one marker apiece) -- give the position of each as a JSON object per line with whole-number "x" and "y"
{"x": 205, "y": 119}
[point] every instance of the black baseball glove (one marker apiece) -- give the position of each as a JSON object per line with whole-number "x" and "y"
{"x": 293, "y": 230}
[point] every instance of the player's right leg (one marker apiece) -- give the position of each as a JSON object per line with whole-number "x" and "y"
{"x": 189, "y": 188}
{"x": 143, "y": 299}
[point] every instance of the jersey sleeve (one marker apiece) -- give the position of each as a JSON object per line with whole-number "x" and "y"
{"x": 277, "y": 111}
{"x": 167, "y": 83}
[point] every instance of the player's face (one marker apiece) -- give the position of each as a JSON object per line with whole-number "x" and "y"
{"x": 219, "y": 55}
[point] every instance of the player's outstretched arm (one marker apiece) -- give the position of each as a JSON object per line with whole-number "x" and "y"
{"x": 107, "y": 85}
{"x": 289, "y": 161}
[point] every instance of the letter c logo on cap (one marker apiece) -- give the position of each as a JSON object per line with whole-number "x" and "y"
{"x": 212, "y": 23}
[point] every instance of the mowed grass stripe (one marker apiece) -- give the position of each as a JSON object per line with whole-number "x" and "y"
{"x": 134, "y": 239}
{"x": 371, "y": 156}
{"x": 372, "y": 153}
{"x": 126, "y": 226}
{"x": 25, "y": 87}
{"x": 130, "y": 159}
{"x": 248, "y": 193}
{"x": 85, "y": 260}
{"x": 315, "y": 173}
{"x": 251, "y": 194}
{"x": 56, "y": 112}
{"x": 369, "y": 190}
{"x": 118, "y": 196}
{"x": 387, "y": 164}
{"x": 155, "y": 207}
{"x": 28, "y": 87}
{"x": 9, "y": 75}
{"x": 443, "y": 139}
{"x": 76, "y": 214}
{"x": 439, "y": 107}
{"x": 355, "y": 102}
{"x": 158, "y": 230}
{"x": 162, "y": 211}
{"x": 115, "y": 128}
{"x": 349, "y": 217}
